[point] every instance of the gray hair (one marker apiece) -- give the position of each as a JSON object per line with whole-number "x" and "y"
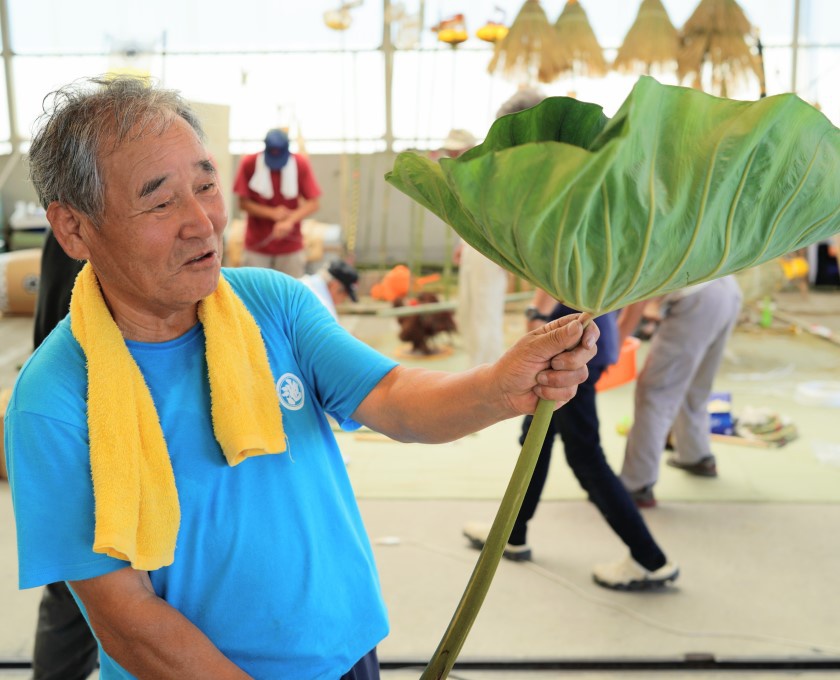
{"x": 521, "y": 100}
{"x": 89, "y": 119}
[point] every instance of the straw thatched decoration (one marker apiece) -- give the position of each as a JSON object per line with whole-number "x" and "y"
{"x": 652, "y": 41}
{"x": 720, "y": 35}
{"x": 529, "y": 50}
{"x": 580, "y": 49}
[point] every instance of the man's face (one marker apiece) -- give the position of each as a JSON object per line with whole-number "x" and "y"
{"x": 158, "y": 249}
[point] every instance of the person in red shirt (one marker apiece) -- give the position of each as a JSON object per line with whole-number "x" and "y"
{"x": 276, "y": 190}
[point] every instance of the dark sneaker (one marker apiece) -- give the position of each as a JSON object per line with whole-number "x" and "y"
{"x": 705, "y": 467}
{"x": 477, "y": 534}
{"x": 643, "y": 498}
{"x": 627, "y": 574}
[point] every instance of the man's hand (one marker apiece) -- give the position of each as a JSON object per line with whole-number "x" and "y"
{"x": 413, "y": 404}
{"x": 548, "y": 363}
{"x": 282, "y": 228}
{"x": 280, "y": 213}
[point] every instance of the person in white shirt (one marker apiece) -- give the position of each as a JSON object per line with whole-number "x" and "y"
{"x": 334, "y": 284}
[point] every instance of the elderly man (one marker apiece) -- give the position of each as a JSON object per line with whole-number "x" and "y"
{"x": 169, "y": 453}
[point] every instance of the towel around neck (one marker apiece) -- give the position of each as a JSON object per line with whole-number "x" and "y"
{"x": 136, "y": 500}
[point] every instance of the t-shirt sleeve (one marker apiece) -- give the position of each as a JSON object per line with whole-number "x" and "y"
{"x": 307, "y": 183}
{"x": 243, "y": 175}
{"x": 342, "y": 368}
{"x": 52, "y": 491}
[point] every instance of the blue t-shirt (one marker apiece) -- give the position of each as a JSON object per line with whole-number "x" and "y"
{"x": 272, "y": 562}
{"x": 607, "y": 344}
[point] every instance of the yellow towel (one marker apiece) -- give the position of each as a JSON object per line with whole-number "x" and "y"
{"x": 136, "y": 501}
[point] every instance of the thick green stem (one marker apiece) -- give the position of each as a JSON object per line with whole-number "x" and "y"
{"x": 479, "y": 584}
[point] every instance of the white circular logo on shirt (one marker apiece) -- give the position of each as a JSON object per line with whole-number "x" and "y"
{"x": 290, "y": 391}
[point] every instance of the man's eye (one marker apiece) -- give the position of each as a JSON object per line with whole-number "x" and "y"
{"x": 209, "y": 186}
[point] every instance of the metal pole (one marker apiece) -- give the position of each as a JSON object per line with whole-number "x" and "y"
{"x": 14, "y": 138}
{"x": 795, "y": 45}
{"x": 388, "y": 53}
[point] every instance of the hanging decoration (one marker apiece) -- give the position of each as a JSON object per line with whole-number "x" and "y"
{"x": 452, "y": 31}
{"x": 652, "y": 41}
{"x": 405, "y": 26}
{"x": 529, "y": 51}
{"x": 718, "y": 35}
{"x": 495, "y": 29}
{"x": 581, "y": 52}
{"x": 340, "y": 19}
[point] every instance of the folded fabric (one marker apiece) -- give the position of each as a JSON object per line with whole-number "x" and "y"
{"x": 289, "y": 179}
{"x": 261, "y": 183}
{"x": 136, "y": 500}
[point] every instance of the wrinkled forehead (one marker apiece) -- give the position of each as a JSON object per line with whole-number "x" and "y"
{"x": 144, "y": 125}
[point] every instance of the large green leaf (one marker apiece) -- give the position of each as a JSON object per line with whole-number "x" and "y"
{"x": 679, "y": 187}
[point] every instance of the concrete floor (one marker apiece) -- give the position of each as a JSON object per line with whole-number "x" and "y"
{"x": 759, "y": 578}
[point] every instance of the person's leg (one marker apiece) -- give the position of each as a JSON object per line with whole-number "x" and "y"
{"x": 675, "y": 352}
{"x": 254, "y": 259}
{"x": 65, "y": 649}
{"x": 469, "y": 325}
{"x": 366, "y": 668}
{"x": 518, "y": 535}
{"x": 577, "y": 423}
{"x": 488, "y": 285}
{"x": 718, "y": 307}
{"x": 293, "y": 264}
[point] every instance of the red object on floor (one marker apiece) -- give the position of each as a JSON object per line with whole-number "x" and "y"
{"x": 624, "y": 370}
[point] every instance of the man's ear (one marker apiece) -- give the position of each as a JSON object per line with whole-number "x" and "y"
{"x": 66, "y": 224}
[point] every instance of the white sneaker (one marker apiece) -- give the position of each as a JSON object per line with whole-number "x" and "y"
{"x": 477, "y": 533}
{"x": 627, "y": 574}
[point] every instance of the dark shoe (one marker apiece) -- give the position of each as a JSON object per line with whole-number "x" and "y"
{"x": 643, "y": 498}
{"x": 477, "y": 534}
{"x": 705, "y": 467}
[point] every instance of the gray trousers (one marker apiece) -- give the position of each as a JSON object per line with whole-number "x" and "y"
{"x": 675, "y": 383}
{"x": 293, "y": 264}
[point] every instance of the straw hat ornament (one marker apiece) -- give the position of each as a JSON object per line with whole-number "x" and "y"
{"x": 652, "y": 41}
{"x": 530, "y": 50}
{"x": 582, "y": 54}
{"x": 718, "y": 34}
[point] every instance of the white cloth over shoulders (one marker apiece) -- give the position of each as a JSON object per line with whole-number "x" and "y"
{"x": 261, "y": 183}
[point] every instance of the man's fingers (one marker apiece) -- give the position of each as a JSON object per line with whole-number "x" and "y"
{"x": 572, "y": 358}
{"x": 567, "y": 330}
{"x": 560, "y": 386}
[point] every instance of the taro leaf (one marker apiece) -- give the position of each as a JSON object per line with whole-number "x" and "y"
{"x": 679, "y": 187}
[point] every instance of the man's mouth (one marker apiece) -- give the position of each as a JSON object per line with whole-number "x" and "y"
{"x": 201, "y": 258}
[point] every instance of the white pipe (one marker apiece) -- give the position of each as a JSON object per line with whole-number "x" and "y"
{"x": 795, "y": 45}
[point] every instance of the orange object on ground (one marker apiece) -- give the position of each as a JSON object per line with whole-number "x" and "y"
{"x": 624, "y": 370}
{"x": 393, "y": 285}
{"x": 425, "y": 281}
